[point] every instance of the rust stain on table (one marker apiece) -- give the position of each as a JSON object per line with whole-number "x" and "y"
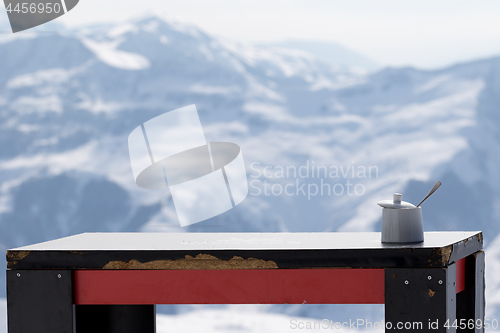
{"x": 13, "y": 257}
{"x": 200, "y": 261}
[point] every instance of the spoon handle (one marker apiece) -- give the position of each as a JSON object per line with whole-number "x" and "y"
{"x": 431, "y": 192}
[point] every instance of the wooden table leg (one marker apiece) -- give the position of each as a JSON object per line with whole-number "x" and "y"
{"x": 115, "y": 318}
{"x": 420, "y": 299}
{"x": 470, "y": 301}
{"x": 40, "y": 301}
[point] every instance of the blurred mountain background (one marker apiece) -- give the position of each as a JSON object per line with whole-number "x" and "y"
{"x": 69, "y": 99}
{"x": 331, "y": 53}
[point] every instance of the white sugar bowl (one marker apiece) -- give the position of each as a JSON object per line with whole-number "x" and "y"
{"x": 401, "y": 221}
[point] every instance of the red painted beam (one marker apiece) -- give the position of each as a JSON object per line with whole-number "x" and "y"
{"x": 460, "y": 279}
{"x": 259, "y": 286}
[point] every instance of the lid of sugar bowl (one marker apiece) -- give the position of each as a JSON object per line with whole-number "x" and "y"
{"x": 396, "y": 203}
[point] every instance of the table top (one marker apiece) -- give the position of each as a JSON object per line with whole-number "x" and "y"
{"x": 242, "y": 251}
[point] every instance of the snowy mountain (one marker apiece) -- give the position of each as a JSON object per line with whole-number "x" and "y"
{"x": 68, "y": 102}
{"x": 333, "y": 53}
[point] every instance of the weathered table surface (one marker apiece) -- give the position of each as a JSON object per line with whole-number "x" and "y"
{"x": 241, "y": 250}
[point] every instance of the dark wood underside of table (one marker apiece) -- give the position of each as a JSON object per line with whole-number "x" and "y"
{"x": 415, "y": 255}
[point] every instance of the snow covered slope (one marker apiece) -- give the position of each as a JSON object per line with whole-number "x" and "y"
{"x": 238, "y": 320}
{"x": 3, "y": 315}
{"x": 69, "y": 101}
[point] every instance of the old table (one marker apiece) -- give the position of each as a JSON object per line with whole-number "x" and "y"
{"x": 110, "y": 282}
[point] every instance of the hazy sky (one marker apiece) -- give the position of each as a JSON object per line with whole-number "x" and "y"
{"x": 422, "y": 33}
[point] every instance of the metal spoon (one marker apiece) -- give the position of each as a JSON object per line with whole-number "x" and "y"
{"x": 431, "y": 192}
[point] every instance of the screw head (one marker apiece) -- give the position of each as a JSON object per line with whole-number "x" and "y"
{"x": 58, "y": 276}
{"x": 429, "y": 277}
{"x": 18, "y": 274}
{"x": 407, "y": 282}
{"x": 440, "y": 281}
